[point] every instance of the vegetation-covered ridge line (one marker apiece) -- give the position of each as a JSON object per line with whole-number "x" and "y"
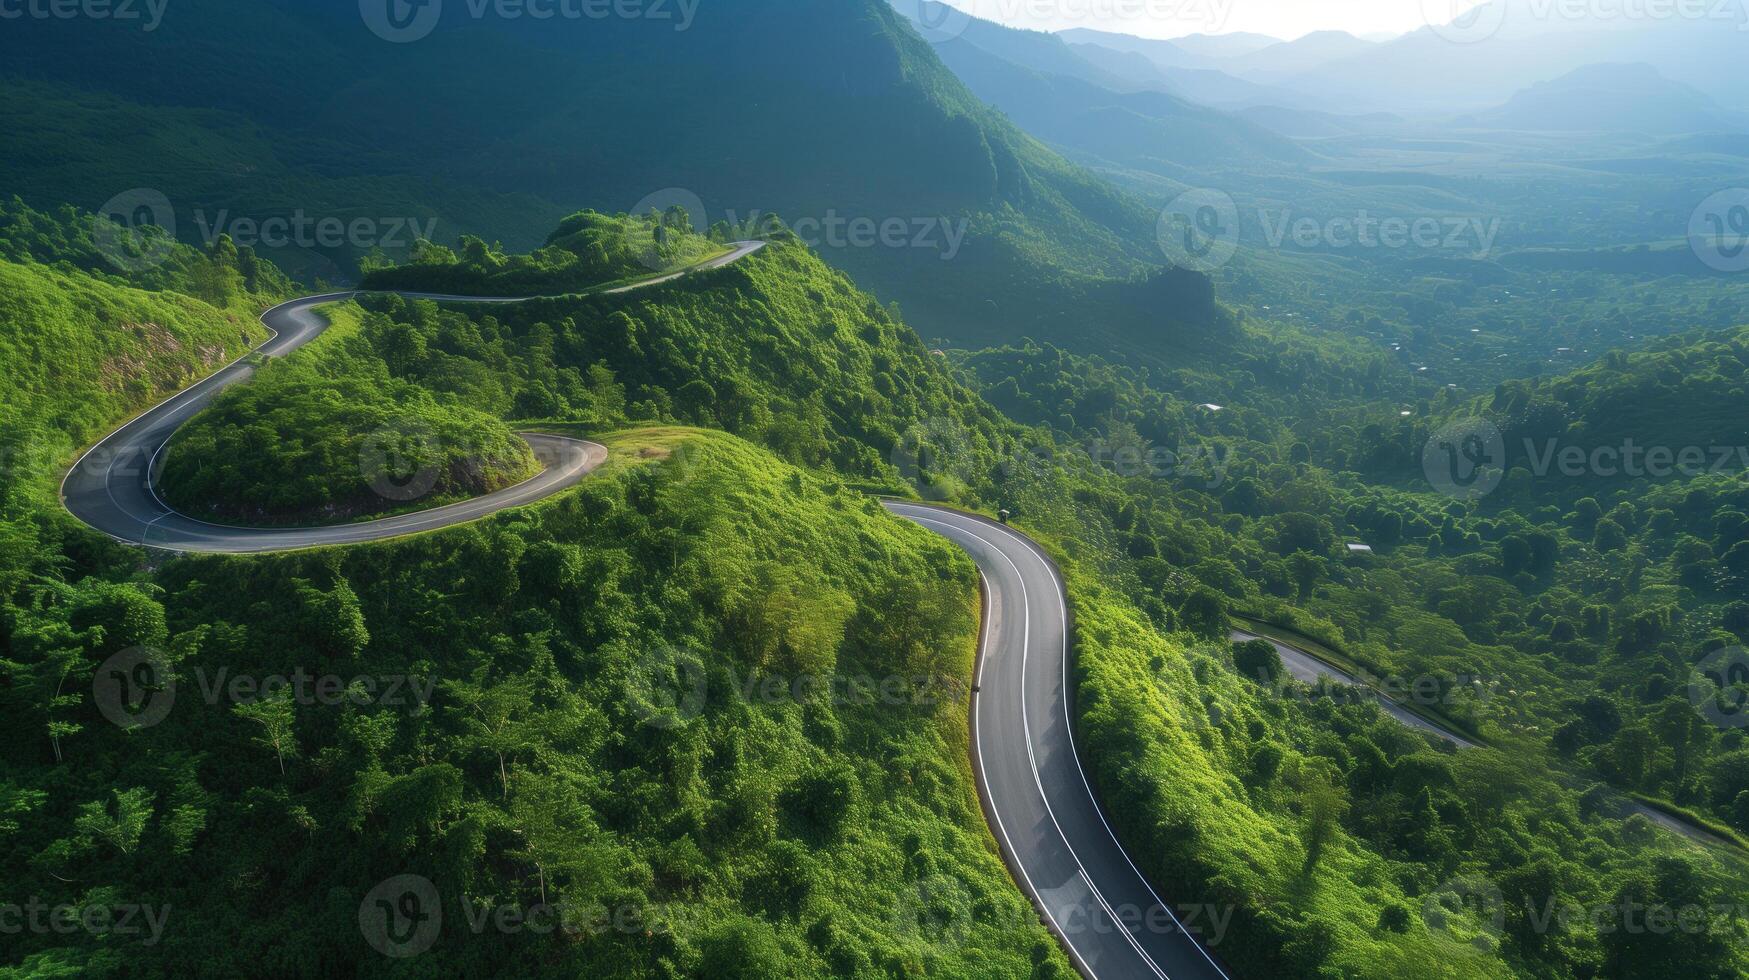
{"x": 132, "y": 510}
{"x": 1701, "y": 828}
{"x": 1363, "y": 675}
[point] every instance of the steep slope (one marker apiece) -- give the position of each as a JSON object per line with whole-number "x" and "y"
{"x": 1146, "y": 65}
{"x": 1039, "y": 51}
{"x": 82, "y": 343}
{"x": 820, "y": 112}
{"x": 625, "y": 734}
{"x": 778, "y": 348}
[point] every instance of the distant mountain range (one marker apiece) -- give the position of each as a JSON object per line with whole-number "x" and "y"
{"x": 1235, "y": 75}
{"x": 1613, "y": 98}
{"x": 1510, "y": 46}
{"x": 1304, "y": 54}
{"x": 1094, "y": 115}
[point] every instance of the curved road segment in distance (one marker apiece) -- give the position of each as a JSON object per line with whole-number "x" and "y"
{"x": 111, "y": 487}
{"x": 1308, "y": 669}
{"x": 1053, "y": 834}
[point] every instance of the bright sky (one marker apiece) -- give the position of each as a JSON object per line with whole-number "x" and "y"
{"x": 1286, "y": 19}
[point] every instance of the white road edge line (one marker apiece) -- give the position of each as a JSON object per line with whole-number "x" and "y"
{"x": 738, "y": 251}
{"x": 1063, "y": 599}
{"x": 1032, "y": 760}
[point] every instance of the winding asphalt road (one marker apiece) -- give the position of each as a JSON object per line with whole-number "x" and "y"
{"x": 1053, "y": 833}
{"x": 112, "y": 489}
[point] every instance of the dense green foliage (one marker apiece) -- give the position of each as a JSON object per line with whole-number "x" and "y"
{"x": 1569, "y": 650}
{"x": 331, "y": 435}
{"x": 777, "y": 347}
{"x": 587, "y": 250}
{"x": 1195, "y": 465}
{"x": 564, "y": 755}
{"x": 600, "y": 732}
{"x": 83, "y": 344}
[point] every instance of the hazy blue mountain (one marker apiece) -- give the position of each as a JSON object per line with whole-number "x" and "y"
{"x": 1615, "y": 98}
{"x": 1055, "y": 94}
{"x": 1148, "y": 131}
{"x": 1220, "y": 47}
{"x": 1427, "y": 70}
{"x": 1137, "y": 71}
{"x": 1319, "y": 48}
{"x": 1166, "y": 54}
{"x": 1038, "y": 50}
{"x": 1160, "y": 65}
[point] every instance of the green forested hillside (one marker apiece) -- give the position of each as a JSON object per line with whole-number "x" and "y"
{"x": 818, "y": 112}
{"x": 587, "y": 740}
{"x": 83, "y": 344}
{"x": 1568, "y": 651}
{"x": 1348, "y": 844}
{"x": 320, "y": 439}
{"x": 562, "y": 756}
{"x": 657, "y": 742}
{"x": 588, "y": 250}
{"x": 703, "y": 714}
